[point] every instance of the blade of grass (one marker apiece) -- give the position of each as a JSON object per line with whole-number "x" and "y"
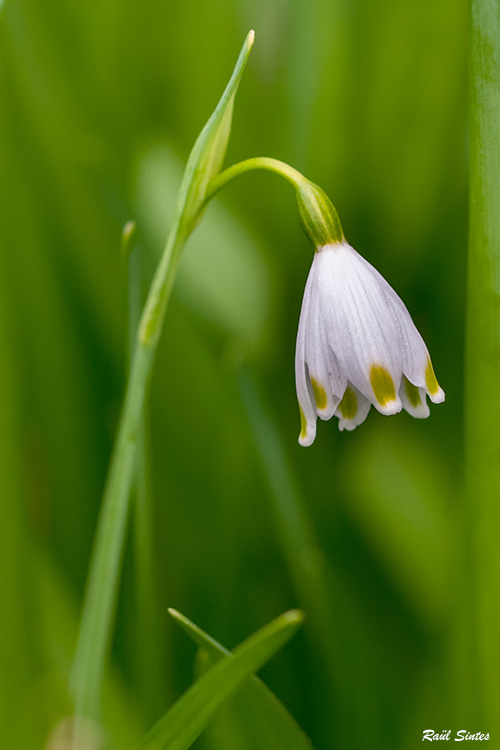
{"x": 482, "y": 522}
{"x": 187, "y": 718}
{"x": 257, "y": 705}
{"x": 100, "y": 597}
{"x": 147, "y": 641}
{"x": 305, "y": 559}
{"x": 17, "y": 644}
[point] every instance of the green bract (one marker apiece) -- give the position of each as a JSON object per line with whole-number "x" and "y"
{"x": 203, "y": 165}
{"x": 317, "y": 215}
{"x": 210, "y": 148}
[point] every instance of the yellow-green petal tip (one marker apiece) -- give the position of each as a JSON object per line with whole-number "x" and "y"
{"x": 319, "y": 394}
{"x": 430, "y": 379}
{"x": 382, "y": 384}
{"x": 349, "y": 404}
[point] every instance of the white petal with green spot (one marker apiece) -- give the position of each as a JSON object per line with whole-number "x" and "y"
{"x": 356, "y": 346}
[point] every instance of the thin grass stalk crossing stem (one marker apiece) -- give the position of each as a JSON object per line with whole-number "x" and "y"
{"x": 481, "y": 681}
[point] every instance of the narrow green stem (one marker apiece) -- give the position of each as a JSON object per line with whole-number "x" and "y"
{"x": 481, "y": 682}
{"x": 161, "y": 288}
{"x": 101, "y": 592}
{"x": 100, "y": 596}
{"x": 317, "y": 215}
{"x": 259, "y": 162}
{"x": 147, "y": 645}
{"x": 150, "y": 662}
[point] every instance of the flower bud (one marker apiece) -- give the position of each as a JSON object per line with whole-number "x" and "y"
{"x": 317, "y": 215}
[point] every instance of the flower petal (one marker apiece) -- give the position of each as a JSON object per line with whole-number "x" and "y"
{"x": 328, "y": 383}
{"x": 353, "y": 409}
{"x": 361, "y": 326}
{"x": 305, "y": 395}
{"x": 414, "y": 399}
{"x": 416, "y": 361}
{"x": 436, "y": 393}
{"x": 417, "y": 365}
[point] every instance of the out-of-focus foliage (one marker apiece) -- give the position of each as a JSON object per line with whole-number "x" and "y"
{"x": 100, "y": 103}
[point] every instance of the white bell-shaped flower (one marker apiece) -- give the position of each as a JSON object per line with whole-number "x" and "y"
{"x": 357, "y": 346}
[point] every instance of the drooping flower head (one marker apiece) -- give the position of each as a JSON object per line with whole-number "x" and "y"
{"x": 357, "y": 344}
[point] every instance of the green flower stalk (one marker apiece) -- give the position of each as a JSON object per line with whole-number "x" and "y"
{"x": 317, "y": 215}
{"x": 204, "y": 163}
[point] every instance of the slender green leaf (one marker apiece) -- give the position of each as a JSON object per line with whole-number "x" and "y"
{"x": 17, "y": 650}
{"x": 209, "y": 150}
{"x": 104, "y": 572}
{"x": 306, "y": 560}
{"x": 146, "y": 641}
{"x": 203, "y": 164}
{"x": 187, "y": 718}
{"x": 265, "y": 722}
{"x": 481, "y": 569}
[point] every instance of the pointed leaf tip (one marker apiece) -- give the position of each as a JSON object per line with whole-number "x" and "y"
{"x": 207, "y": 155}
{"x": 294, "y": 615}
{"x": 256, "y": 708}
{"x": 128, "y": 232}
{"x": 187, "y": 718}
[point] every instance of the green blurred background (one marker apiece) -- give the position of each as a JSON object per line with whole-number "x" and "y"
{"x": 100, "y": 104}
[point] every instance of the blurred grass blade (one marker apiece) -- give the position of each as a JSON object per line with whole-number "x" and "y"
{"x": 18, "y": 647}
{"x": 406, "y": 515}
{"x": 130, "y": 286}
{"x": 187, "y": 718}
{"x": 482, "y": 522}
{"x": 266, "y": 721}
{"x": 305, "y": 559}
{"x": 105, "y": 564}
